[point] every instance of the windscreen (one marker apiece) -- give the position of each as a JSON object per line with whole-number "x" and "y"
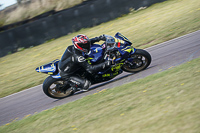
{"x": 110, "y": 42}
{"x": 122, "y": 37}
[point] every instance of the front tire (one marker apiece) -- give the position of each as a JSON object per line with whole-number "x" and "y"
{"x": 140, "y": 60}
{"x": 50, "y": 88}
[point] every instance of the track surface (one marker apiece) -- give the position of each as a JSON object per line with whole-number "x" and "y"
{"x": 164, "y": 56}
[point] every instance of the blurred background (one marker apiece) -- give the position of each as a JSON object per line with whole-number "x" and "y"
{"x": 18, "y": 10}
{"x": 27, "y": 23}
{"x": 35, "y": 32}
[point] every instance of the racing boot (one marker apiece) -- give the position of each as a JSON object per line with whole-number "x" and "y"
{"x": 79, "y": 83}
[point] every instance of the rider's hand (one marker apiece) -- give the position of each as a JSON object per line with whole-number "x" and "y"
{"x": 102, "y": 37}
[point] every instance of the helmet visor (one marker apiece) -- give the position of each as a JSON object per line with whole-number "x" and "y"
{"x": 85, "y": 46}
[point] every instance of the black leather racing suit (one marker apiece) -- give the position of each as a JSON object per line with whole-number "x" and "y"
{"x": 72, "y": 60}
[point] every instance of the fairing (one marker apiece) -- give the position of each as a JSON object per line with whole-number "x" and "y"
{"x": 122, "y": 37}
{"x": 95, "y": 55}
{"x": 50, "y": 68}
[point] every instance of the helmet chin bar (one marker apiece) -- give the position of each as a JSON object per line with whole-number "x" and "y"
{"x": 82, "y": 43}
{"x": 85, "y": 51}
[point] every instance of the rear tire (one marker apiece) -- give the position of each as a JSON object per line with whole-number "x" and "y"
{"x": 50, "y": 89}
{"x": 141, "y": 59}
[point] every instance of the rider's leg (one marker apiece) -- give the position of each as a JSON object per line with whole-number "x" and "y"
{"x": 79, "y": 82}
{"x": 76, "y": 81}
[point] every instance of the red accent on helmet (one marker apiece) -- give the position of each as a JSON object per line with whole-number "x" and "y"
{"x": 78, "y": 46}
{"x": 81, "y": 43}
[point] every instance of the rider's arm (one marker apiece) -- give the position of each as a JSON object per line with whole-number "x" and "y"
{"x": 93, "y": 40}
{"x": 80, "y": 60}
{"x": 97, "y": 39}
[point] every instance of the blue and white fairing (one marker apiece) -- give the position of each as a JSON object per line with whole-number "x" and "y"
{"x": 123, "y": 45}
{"x": 122, "y": 37}
{"x": 96, "y": 54}
{"x": 50, "y": 68}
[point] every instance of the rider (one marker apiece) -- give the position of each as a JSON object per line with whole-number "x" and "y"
{"x": 73, "y": 59}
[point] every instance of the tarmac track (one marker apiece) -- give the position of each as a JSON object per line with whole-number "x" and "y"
{"x": 164, "y": 56}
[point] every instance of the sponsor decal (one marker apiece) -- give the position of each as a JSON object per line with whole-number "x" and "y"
{"x": 110, "y": 74}
{"x": 117, "y": 67}
{"x": 106, "y": 75}
{"x": 127, "y": 49}
{"x": 75, "y": 82}
{"x": 81, "y": 59}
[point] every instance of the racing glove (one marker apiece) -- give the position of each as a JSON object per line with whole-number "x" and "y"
{"x": 102, "y": 37}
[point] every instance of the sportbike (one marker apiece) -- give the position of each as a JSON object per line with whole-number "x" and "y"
{"x": 117, "y": 49}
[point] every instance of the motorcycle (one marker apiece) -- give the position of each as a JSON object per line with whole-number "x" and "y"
{"x": 118, "y": 49}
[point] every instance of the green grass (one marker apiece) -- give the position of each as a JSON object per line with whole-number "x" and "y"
{"x": 153, "y": 25}
{"x": 166, "y": 102}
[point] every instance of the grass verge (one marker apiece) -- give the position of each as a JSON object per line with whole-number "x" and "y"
{"x": 161, "y": 103}
{"x": 153, "y": 25}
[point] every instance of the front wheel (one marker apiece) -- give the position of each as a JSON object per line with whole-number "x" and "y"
{"x": 55, "y": 88}
{"x": 138, "y": 61}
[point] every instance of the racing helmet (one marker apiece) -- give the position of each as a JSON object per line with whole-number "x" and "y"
{"x": 82, "y": 43}
{"x": 110, "y": 42}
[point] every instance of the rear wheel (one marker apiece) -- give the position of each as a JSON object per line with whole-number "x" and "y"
{"x": 55, "y": 88}
{"x": 140, "y": 60}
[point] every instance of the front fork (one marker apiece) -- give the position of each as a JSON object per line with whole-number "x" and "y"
{"x": 130, "y": 59}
